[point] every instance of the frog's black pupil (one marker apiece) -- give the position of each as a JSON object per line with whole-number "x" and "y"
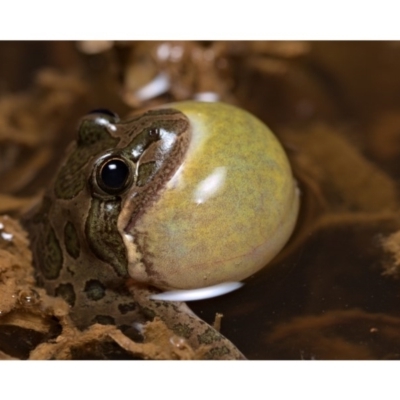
{"x": 114, "y": 174}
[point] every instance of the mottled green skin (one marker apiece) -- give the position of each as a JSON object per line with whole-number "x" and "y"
{"x": 210, "y": 198}
{"x": 235, "y": 228}
{"x": 62, "y": 248}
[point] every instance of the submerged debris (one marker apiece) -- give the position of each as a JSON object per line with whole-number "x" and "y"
{"x": 391, "y": 245}
{"x": 339, "y": 335}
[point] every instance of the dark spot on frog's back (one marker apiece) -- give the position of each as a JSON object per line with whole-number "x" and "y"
{"x": 52, "y": 256}
{"x": 71, "y": 240}
{"x": 209, "y": 336}
{"x": 183, "y": 330}
{"x": 95, "y": 290}
{"x": 124, "y": 308}
{"x": 217, "y": 353}
{"x": 67, "y": 292}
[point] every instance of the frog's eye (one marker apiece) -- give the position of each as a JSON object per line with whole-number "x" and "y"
{"x": 113, "y": 175}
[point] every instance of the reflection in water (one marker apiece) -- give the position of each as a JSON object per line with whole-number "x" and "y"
{"x": 210, "y": 186}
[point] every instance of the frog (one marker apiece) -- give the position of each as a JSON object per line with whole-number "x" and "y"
{"x": 182, "y": 196}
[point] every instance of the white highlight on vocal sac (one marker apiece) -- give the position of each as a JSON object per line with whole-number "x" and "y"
{"x": 198, "y": 294}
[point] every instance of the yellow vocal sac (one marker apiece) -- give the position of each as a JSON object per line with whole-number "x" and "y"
{"x": 225, "y": 213}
